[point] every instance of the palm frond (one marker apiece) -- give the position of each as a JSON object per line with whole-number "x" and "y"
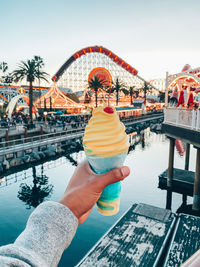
{"x": 125, "y": 91}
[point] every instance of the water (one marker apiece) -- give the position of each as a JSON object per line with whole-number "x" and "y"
{"x": 26, "y": 189}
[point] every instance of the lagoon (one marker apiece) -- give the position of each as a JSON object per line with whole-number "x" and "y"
{"x": 25, "y": 189}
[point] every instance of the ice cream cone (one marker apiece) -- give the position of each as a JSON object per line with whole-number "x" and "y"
{"x": 106, "y": 145}
{"x": 109, "y": 201}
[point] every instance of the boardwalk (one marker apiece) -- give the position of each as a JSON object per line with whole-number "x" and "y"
{"x": 146, "y": 236}
{"x": 137, "y": 239}
{"x": 183, "y": 181}
{"x": 185, "y": 241}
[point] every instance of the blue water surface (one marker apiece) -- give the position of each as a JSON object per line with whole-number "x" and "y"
{"x": 21, "y": 192}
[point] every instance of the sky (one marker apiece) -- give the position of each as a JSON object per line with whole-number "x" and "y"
{"x": 153, "y": 36}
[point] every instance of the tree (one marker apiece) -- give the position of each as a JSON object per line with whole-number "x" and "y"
{"x": 3, "y": 67}
{"x": 95, "y": 84}
{"x": 29, "y": 70}
{"x": 35, "y": 194}
{"x": 7, "y": 79}
{"x": 147, "y": 88}
{"x": 132, "y": 92}
{"x": 162, "y": 96}
{"x": 117, "y": 87}
{"x": 39, "y": 64}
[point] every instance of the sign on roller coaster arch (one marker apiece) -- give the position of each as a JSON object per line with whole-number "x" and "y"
{"x": 103, "y": 74}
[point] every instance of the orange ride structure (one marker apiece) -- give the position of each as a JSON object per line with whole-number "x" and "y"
{"x": 103, "y": 74}
{"x": 56, "y": 99}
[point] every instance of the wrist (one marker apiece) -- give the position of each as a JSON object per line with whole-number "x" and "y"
{"x": 69, "y": 205}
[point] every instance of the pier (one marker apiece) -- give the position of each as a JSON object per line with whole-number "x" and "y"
{"x": 146, "y": 236}
{"x": 183, "y": 181}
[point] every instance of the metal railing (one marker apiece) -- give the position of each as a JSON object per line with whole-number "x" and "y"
{"x": 16, "y": 145}
{"x": 143, "y": 117}
{"x": 45, "y": 139}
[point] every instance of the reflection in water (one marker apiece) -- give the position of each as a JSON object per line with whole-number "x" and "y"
{"x": 35, "y": 194}
{"x": 139, "y": 138}
{"x": 184, "y": 208}
{"x": 179, "y": 147}
{"x": 142, "y": 138}
{"x": 71, "y": 160}
{"x": 169, "y": 199}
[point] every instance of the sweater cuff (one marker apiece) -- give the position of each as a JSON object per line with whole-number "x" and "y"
{"x": 50, "y": 229}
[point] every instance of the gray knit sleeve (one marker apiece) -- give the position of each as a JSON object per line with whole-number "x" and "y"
{"x": 49, "y": 230}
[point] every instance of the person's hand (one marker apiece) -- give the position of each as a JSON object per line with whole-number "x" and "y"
{"x": 85, "y": 187}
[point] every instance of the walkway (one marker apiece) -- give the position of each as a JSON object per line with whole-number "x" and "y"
{"x": 17, "y": 145}
{"x": 146, "y": 236}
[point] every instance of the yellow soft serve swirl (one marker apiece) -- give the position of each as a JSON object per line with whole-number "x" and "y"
{"x": 105, "y": 135}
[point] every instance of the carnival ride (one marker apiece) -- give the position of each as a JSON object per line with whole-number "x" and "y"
{"x": 7, "y": 92}
{"x": 75, "y": 71}
{"x": 56, "y": 99}
{"x": 188, "y": 77}
{"x": 24, "y": 103}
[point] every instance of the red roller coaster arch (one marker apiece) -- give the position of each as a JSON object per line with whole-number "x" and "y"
{"x": 94, "y": 49}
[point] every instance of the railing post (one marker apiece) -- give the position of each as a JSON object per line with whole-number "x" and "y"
{"x": 196, "y": 194}
{"x": 166, "y": 90}
{"x": 171, "y": 161}
{"x": 187, "y": 156}
{"x": 7, "y": 137}
{"x": 41, "y": 130}
{"x": 177, "y": 116}
{"x": 25, "y": 134}
{"x": 193, "y": 118}
{"x": 198, "y": 120}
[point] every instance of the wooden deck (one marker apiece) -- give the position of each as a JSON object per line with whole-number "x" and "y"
{"x": 146, "y": 236}
{"x": 183, "y": 181}
{"x": 184, "y": 134}
{"x": 137, "y": 239}
{"x": 185, "y": 241}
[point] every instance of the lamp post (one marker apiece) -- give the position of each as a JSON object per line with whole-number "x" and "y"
{"x": 45, "y": 118}
{"x": 1, "y": 109}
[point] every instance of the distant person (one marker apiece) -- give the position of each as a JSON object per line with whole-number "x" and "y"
{"x": 52, "y": 225}
{"x": 185, "y": 91}
{"x": 174, "y": 98}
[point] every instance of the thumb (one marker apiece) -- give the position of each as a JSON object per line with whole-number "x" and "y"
{"x": 112, "y": 176}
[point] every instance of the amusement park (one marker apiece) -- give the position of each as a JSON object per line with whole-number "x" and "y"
{"x": 99, "y": 134}
{"x": 88, "y": 78}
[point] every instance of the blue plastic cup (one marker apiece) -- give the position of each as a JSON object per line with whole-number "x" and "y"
{"x": 109, "y": 201}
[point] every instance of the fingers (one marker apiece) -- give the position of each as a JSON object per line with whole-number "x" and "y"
{"x": 112, "y": 176}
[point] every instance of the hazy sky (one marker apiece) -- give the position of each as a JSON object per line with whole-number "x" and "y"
{"x": 154, "y": 36}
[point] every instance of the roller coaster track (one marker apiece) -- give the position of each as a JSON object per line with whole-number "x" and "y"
{"x": 94, "y": 49}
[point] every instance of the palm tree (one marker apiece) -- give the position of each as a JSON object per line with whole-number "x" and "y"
{"x": 95, "y": 84}
{"x": 39, "y": 64}
{"x": 35, "y": 194}
{"x": 131, "y": 92}
{"x": 7, "y": 79}
{"x": 3, "y": 66}
{"x": 117, "y": 87}
{"x": 29, "y": 70}
{"x": 147, "y": 88}
{"x": 161, "y": 96}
